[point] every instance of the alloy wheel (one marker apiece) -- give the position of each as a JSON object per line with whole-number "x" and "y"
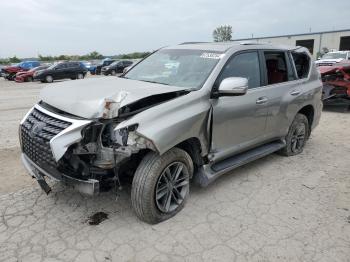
{"x": 172, "y": 187}
{"x": 298, "y": 138}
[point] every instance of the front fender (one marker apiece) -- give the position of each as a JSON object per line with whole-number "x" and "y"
{"x": 174, "y": 121}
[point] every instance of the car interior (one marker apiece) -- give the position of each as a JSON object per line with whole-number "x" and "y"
{"x": 276, "y": 68}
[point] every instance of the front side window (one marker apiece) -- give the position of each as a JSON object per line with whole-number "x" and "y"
{"x": 276, "y": 67}
{"x": 176, "y": 67}
{"x": 60, "y": 66}
{"x": 243, "y": 65}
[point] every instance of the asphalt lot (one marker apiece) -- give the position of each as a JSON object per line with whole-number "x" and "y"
{"x": 275, "y": 209}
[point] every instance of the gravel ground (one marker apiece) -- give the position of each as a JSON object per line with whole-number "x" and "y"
{"x": 275, "y": 209}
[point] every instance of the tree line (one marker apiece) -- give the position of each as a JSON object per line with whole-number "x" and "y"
{"x": 91, "y": 56}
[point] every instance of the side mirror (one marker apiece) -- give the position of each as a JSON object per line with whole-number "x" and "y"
{"x": 233, "y": 86}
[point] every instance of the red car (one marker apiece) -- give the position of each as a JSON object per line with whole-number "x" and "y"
{"x": 336, "y": 84}
{"x": 27, "y": 76}
{"x": 9, "y": 72}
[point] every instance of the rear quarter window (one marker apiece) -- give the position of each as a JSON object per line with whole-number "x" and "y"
{"x": 302, "y": 64}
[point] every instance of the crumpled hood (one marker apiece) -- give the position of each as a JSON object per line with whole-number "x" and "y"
{"x": 89, "y": 98}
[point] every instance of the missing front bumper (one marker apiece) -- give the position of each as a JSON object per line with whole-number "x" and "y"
{"x": 88, "y": 187}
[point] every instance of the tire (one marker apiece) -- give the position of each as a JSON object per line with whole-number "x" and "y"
{"x": 297, "y": 136}
{"x": 113, "y": 72}
{"x": 11, "y": 77}
{"x": 80, "y": 76}
{"x": 48, "y": 79}
{"x": 29, "y": 79}
{"x": 150, "y": 190}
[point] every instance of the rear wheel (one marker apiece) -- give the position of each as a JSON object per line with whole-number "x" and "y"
{"x": 161, "y": 185}
{"x": 113, "y": 72}
{"x": 297, "y": 136}
{"x": 48, "y": 79}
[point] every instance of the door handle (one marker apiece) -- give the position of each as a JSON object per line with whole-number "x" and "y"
{"x": 261, "y": 100}
{"x": 295, "y": 92}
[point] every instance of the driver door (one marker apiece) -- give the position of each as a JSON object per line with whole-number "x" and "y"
{"x": 239, "y": 122}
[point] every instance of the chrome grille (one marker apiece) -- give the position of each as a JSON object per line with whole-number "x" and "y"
{"x": 36, "y": 132}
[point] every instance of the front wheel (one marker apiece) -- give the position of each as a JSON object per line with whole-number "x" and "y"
{"x": 48, "y": 79}
{"x": 161, "y": 185}
{"x": 29, "y": 79}
{"x": 297, "y": 135}
{"x": 80, "y": 76}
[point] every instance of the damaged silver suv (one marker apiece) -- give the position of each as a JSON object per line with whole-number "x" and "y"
{"x": 189, "y": 112}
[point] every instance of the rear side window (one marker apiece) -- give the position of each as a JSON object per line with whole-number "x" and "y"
{"x": 276, "y": 67}
{"x": 302, "y": 64}
{"x": 243, "y": 65}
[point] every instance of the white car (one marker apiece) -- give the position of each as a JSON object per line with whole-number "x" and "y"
{"x": 333, "y": 57}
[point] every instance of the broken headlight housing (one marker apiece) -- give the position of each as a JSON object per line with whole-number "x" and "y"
{"x": 120, "y": 136}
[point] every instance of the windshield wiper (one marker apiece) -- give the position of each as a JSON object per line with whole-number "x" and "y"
{"x": 154, "y": 82}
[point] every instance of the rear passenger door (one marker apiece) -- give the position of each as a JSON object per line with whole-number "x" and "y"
{"x": 281, "y": 89}
{"x": 239, "y": 121}
{"x": 60, "y": 71}
{"x": 72, "y": 70}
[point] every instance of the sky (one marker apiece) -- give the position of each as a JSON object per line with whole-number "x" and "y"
{"x": 55, "y": 27}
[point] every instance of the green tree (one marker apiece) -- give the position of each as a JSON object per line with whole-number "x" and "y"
{"x": 222, "y": 33}
{"x": 94, "y": 55}
{"x": 14, "y": 59}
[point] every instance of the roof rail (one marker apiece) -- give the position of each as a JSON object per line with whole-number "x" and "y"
{"x": 188, "y": 43}
{"x": 252, "y": 43}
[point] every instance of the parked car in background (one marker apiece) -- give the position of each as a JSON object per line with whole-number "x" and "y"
{"x": 62, "y": 70}
{"x": 9, "y": 72}
{"x": 223, "y": 106}
{"x": 105, "y": 62}
{"x": 332, "y": 58}
{"x": 134, "y": 62}
{"x": 117, "y": 67}
{"x": 336, "y": 84}
{"x": 27, "y": 76}
{"x": 87, "y": 64}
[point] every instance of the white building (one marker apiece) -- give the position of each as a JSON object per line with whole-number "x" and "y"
{"x": 315, "y": 42}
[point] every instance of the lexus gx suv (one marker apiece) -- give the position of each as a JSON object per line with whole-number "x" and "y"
{"x": 187, "y": 113}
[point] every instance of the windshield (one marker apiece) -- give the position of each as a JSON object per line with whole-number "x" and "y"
{"x": 334, "y": 56}
{"x": 176, "y": 67}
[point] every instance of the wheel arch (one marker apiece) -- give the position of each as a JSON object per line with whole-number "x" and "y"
{"x": 193, "y": 147}
{"x": 309, "y": 112}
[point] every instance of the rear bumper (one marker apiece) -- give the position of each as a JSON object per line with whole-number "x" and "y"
{"x": 89, "y": 187}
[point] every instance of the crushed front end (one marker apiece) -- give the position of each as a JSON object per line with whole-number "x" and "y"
{"x": 85, "y": 154}
{"x": 336, "y": 84}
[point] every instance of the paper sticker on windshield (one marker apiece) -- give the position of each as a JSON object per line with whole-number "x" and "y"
{"x": 211, "y": 55}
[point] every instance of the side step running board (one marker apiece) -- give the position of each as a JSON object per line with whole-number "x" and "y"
{"x": 209, "y": 173}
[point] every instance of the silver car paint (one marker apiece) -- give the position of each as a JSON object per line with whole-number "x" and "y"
{"x": 238, "y": 122}
{"x": 86, "y": 98}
